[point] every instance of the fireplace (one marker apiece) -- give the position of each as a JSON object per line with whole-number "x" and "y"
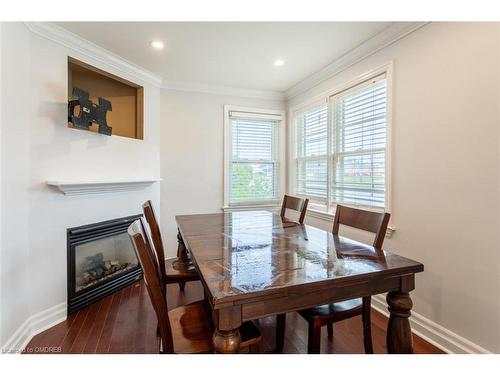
{"x": 101, "y": 260}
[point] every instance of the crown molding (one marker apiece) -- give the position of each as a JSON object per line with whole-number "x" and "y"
{"x": 383, "y": 39}
{"x": 222, "y": 90}
{"x": 78, "y": 44}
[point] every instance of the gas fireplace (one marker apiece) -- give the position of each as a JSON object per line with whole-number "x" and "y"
{"x": 101, "y": 260}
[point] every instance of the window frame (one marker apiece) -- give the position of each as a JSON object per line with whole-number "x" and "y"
{"x": 326, "y": 98}
{"x": 280, "y": 159}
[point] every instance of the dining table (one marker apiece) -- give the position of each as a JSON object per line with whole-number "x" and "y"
{"x": 253, "y": 264}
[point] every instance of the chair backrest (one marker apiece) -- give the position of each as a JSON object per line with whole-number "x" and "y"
{"x": 375, "y": 222}
{"x": 149, "y": 263}
{"x": 149, "y": 214}
{"x": 296, "y": 204}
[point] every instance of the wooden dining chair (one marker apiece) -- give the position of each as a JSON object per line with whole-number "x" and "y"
{"x": 295, "y": 204}
{"x": 186, "y": 329}
{"x": 171, "y": 274}
{"x": 320, "y": 316}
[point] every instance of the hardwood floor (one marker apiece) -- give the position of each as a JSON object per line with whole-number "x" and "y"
{"x": 125, "y": 323}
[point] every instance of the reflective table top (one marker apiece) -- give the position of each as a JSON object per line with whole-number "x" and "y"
{"x": 251, "y": 252}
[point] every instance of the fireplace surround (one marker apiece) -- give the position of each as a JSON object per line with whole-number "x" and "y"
{"x": 101, "y": 260}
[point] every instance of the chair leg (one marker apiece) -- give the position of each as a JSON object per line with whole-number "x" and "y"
{"x": 329, "y": 327}
{"x": 367, "y": 326}
{"x": 314, "y": 337}
{"x": 280, "y": 332}
{"x": 182, "y": 284}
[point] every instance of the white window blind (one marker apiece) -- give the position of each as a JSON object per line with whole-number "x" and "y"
{"x": 254, "y": 157}
{"x": 341, "y": 148}
{"x": 312, "y": 154}
{"x": 359, "y": 143}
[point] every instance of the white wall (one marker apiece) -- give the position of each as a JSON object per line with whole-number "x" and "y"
{"x": 37, "y": 146}
{"x": 192, "y": 154}
{"x": 445, "y": 170}
{"x": 15, "y": 288}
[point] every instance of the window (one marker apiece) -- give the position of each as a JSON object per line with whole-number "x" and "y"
{"x": 252, "y": 170}
{"x": 312, "y": 154}
{"x": 341, "y": 148}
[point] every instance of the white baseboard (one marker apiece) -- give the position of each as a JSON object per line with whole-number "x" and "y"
{"x": 32, "y": 326}
{"x": 433, "y": 333}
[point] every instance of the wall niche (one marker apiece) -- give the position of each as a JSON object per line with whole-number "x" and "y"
{"x": 127, "y": 98}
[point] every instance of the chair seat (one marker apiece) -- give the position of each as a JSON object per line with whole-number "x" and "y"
{"x": 334, "y": 311}
{"x": 192, "y": 329}
{"x": 174, "y": 273}
{"x": 289, "y": 223}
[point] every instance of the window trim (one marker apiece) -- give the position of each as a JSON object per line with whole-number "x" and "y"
{"x": 281, "y": 159}
{"x": 324, "y": 98}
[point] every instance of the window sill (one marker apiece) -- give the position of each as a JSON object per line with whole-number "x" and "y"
{"x": 329, "y": 217}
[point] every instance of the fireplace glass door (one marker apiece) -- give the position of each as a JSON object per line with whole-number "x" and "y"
{"x": 103, "y": 259}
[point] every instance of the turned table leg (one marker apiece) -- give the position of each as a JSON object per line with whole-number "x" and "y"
{"x": 399, "y": 338}
{"x": 226, "y": 338}
{"x": 227, "y": 342}
{"x": 182, "y": 262}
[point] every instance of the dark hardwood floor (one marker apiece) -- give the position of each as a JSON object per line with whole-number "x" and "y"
{"x": 125, "y": 323}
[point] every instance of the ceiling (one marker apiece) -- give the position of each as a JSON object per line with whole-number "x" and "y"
{"x": 233, "y": 54}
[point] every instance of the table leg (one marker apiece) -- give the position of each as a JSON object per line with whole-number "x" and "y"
{"x": 182, "y": 262}
{"x": 226, "y": 338}
{"x": 280, "y": 332}
{"x": 399, "y": 337}
{"x": 227, "y": 342}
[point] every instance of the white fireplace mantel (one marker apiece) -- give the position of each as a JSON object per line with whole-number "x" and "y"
{"x": 100, "y": 187}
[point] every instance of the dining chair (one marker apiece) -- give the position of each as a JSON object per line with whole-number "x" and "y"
{"x": 186, "y": 329}
{"x": 295, "y": 204}
{"x": 169, "y": 272}
{"x": 320, "y": 316}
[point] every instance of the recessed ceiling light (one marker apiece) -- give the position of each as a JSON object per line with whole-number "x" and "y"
{"x": 278, "y": 62}
{"x": 157, "y": 44}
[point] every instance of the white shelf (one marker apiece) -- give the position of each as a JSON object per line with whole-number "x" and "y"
{"x": 100, "y": 187}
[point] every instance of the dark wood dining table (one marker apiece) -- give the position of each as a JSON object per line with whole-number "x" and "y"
{"x": 252, "y": 265}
